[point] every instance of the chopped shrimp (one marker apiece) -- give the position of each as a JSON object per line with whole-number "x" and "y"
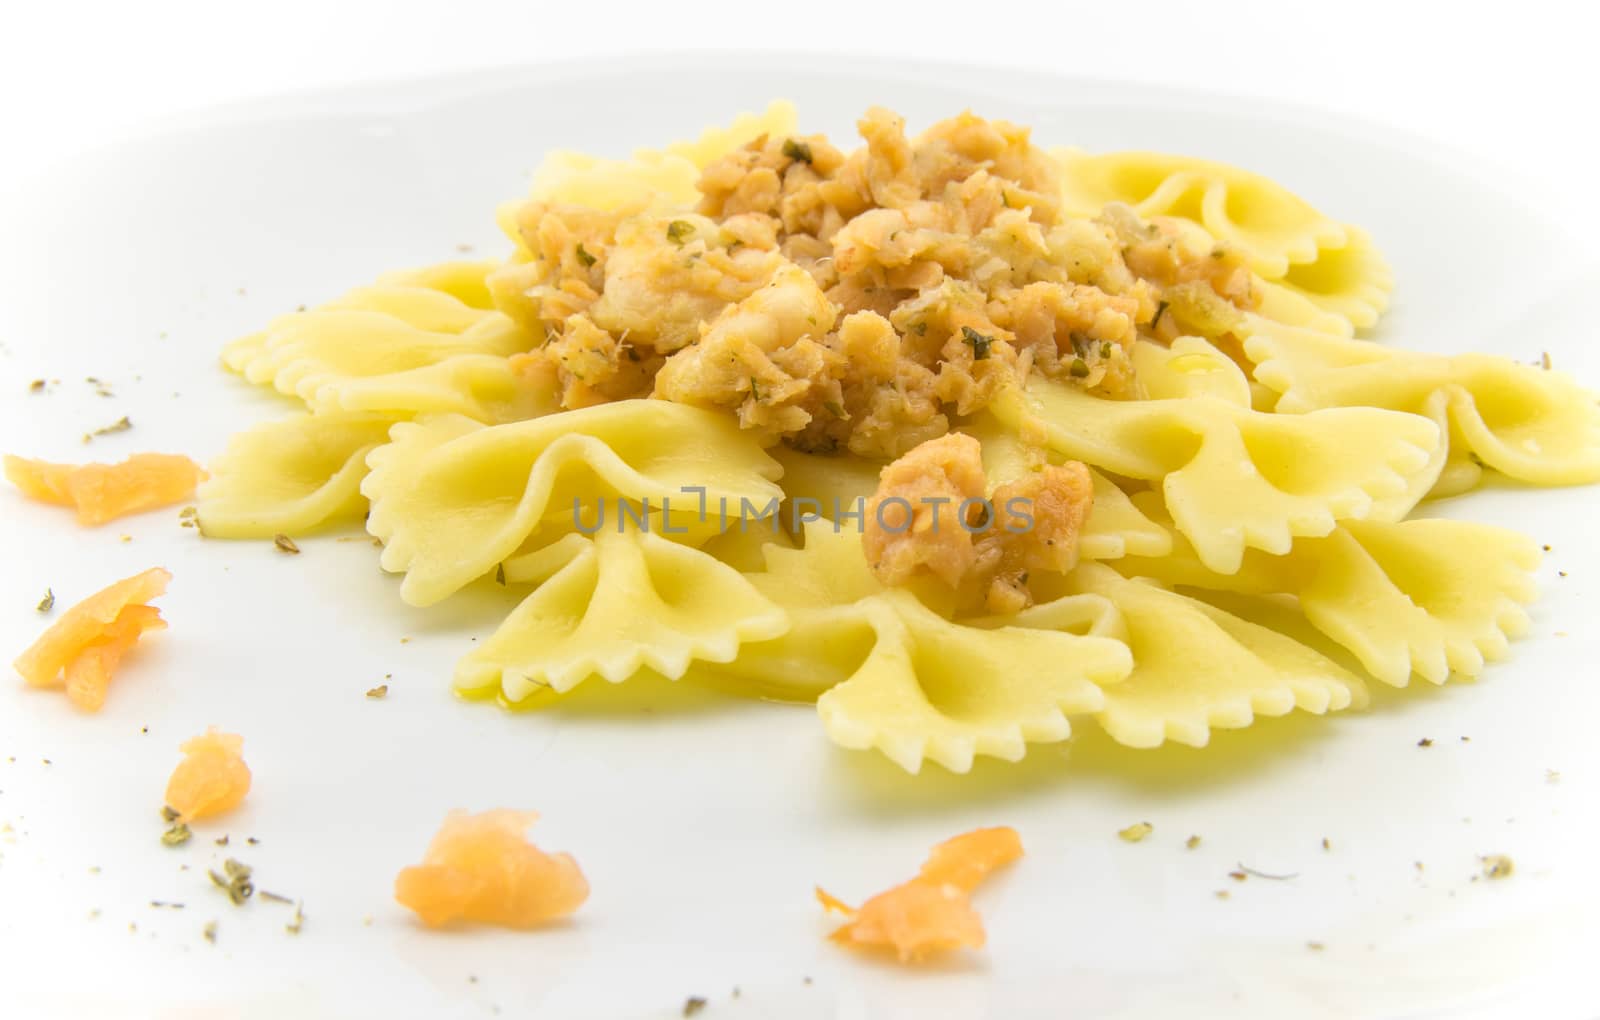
{"x": 948, "y": 256}
{"x": 930, "y": 514}
{"x": 912, "y": 520}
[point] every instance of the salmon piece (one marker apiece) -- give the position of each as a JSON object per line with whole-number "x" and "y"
{"x": 212, "y": 777}
{"x": 966, "y": 860}
{"x": 932, "y": 913}
{"x": 40, "y": 479}
{"x": 82, "y": 649}
{"x": 104, "y": 492}
{"x": 482, "y": 868}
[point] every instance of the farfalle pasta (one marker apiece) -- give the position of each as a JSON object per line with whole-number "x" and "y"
{"x": 1350, "y": 283}
{"x": 1198, "y": 668}
{"x": 1235, "y": 478}
{"x": 290, "y": 476}
{"x": 1534, "y": 425}
{"x": 1314, "y": 271}
{"x": 400, "y": 327}
{"x": 1275, "y": 227}
{"x": 912, "y": 683}
{"x": 1399, "y": 596}
{"x": 626, "y": 601}
{"x": 959, "y": 439}
{"x": 451, "y": 498}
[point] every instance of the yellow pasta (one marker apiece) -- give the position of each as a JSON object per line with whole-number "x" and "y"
{"x": 1533, "y": 425}
{"x": 1401, "y": 597}
{"x": 290, "y": 476}
{"x": 947, "y": 692}
{"x": 1197, "y": 668}
{"x": 451, "y": 498}
{"x": 664, "y": 179}
{"x": 482, "y": 387}
{"x": 1234, "y": 478}
{"x": 1349, "y": 283}
{"x": 627, "y": 600}
{"x": 389, "y": 344}
{"x": 819, "y": 588}
{"x": 892, "y": 674}
{"x": 1275, "y": 228}
{"x": 954, "y": 437}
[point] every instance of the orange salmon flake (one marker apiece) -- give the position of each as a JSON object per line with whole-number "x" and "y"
{"x": 482, "y": 868}
{"x": 104, "y": 492}
{"x": 932, "y": 913}
{"x": 82, "y": 648}
{"x": 211, "y": 779}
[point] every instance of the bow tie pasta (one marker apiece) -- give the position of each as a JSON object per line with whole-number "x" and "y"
{"x": 1534, "y": 425}
{"x": 451, "y": 498}
{"x": 627, "y": 601}
{"x": 957, "y": 438}
{"x": 1312, "y": 265}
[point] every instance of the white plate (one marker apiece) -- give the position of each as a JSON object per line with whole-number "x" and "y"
{"x": 704, "y": 822}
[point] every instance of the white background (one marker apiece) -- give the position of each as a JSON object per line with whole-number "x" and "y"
{"x": 1514, "y": 90}
{"x": 1513, "y": 83}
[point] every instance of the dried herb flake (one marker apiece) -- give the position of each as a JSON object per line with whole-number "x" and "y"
{"x": 285, "y": 544}
{"x": 679, "y": 231}
{"x": 798, "y": 151}
{"x": 47, "y": 603}
{"x": 1135, "y": 832}
{"x": 1262, "y": 874}
{"x": 977, "y": 341}
{"x": 583, "y": 256}
{"x": 379, "y": 691}
{"x": 122, "y": 424}
{"x": 235, "y": 881}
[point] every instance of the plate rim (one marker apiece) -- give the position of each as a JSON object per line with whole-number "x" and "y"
{"x": 408, "y": 94}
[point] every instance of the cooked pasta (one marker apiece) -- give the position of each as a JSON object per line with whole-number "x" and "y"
{"x": 625, "y": 601}
{"x": 961, "y": 439}
{"x": 290, "y": 476}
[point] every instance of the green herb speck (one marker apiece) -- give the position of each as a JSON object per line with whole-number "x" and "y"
{"x": 977, "y": 341}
